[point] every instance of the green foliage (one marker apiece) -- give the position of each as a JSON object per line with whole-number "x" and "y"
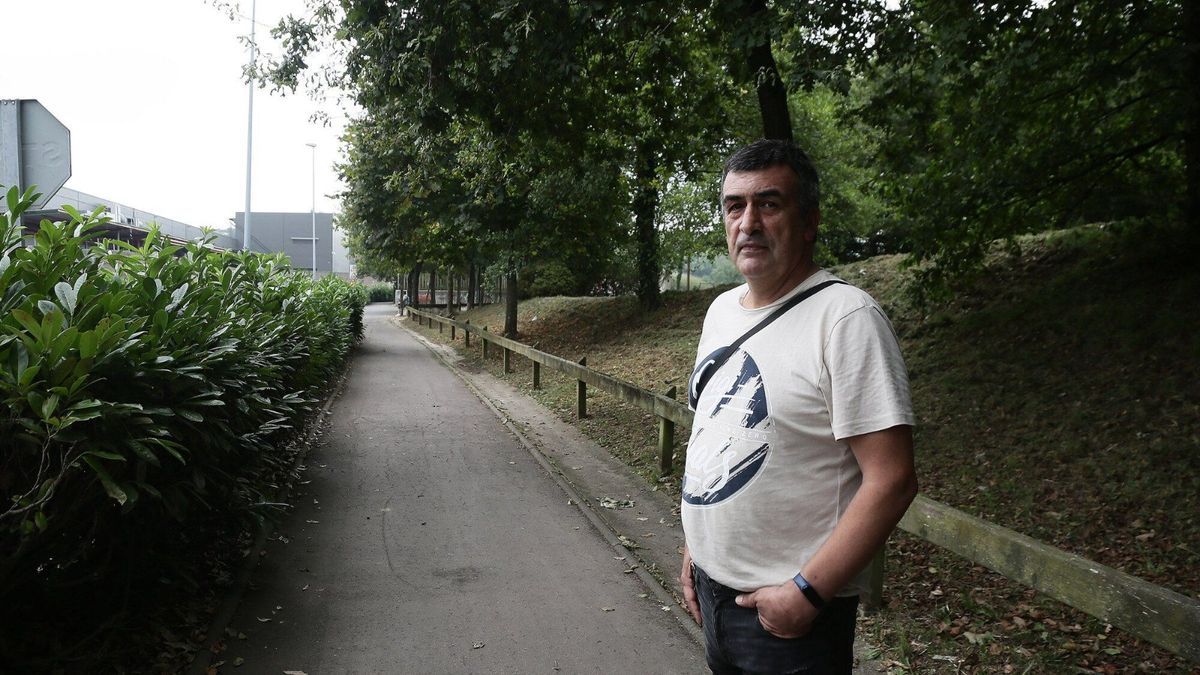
{"x": 1013, "y": 117}
{"x": 856, "y": 222}
{"x": 689, "y": 221}
{"x": 537, "y": 132}
{"x": 552, "y": 279}
{"x": 381, "y": 292}
{"x": 145, "y": 389}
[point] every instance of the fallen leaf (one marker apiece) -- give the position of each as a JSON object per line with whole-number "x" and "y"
{"x": 476, "y": 645}
{"x": 608, "y": 609}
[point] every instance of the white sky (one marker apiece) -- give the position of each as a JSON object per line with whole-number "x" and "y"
{"x": 152, "y": 93}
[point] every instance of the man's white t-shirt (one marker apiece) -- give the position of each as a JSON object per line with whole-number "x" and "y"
{"x": 769, "y": 472}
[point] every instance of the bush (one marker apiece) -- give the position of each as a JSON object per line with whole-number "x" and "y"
{"x": 551, "y": 279}
{"x": 145, "y": 389}
{"x": 381, "y": 292}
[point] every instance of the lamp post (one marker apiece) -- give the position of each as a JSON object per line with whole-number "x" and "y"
{"x": 250, "y": 127}
{"x": 314, "y": 208}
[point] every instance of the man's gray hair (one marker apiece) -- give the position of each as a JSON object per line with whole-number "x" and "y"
{"x": 766, "y": 153}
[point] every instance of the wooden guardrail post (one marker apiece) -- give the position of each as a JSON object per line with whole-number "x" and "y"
{"x": 483, "y": 339}
{"x": 467, "y": 333}
{"x": 873, "y": 600}
{"x": 507, "y": 361}
{"x": 537, "y": 375}
{"x": 451, "y": 332}
{"x": 439, "y": 321}
{"x": 666, "y": 440}
{"x": 581, "y": 393}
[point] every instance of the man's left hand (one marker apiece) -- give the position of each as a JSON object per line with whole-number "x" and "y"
{"x": 783, "y": 610}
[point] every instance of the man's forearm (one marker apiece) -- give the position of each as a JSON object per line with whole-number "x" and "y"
{"x": 889, "y": 486}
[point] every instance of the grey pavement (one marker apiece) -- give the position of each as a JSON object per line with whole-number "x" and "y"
{"x": 428, "y": 538}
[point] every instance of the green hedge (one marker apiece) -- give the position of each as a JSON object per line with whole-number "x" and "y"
{"x": 146, "y": 389}
{"x": 381, "y": 292}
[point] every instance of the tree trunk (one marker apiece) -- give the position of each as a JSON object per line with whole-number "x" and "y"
{"x": 1191, "y": 138}
{"x": 645, "y": 203}
{"x": 433, "y": 288}
{"x": 772, "y": 96}
{"x": 471, "y": 281}
{"x": 510, "y": 303}
{"x": 414, "y": 286}
{"x": 450, "y": 299}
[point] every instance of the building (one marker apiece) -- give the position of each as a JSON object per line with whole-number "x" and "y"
{"x": 127, "y": 223}
{"x": 273, "y": 232}
{"x": 292, "y": 235}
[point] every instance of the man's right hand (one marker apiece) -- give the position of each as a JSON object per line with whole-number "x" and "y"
{"x": 689, "y": 587}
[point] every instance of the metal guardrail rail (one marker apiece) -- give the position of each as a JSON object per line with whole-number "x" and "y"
{"x": 1156, "y": 614}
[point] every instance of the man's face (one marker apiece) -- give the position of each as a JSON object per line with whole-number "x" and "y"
{"x": 770, "y": 239}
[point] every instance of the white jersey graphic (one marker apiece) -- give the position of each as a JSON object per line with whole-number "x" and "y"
{"x": 730, "y": 449}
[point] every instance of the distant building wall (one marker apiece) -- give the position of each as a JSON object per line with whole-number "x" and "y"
{"x": 341, "y": 255}
{"x": 125, "y": 219}
{"x": 291, "y": 235}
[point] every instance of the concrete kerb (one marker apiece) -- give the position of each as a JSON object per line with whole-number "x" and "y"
{"x": 202, "y": 661}
{"x": 599, "y": 519}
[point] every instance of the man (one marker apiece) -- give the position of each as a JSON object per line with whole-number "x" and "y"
{"x": 800, "y": 461}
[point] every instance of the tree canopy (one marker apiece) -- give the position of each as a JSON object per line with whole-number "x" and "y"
{"x": 589, "y": 133}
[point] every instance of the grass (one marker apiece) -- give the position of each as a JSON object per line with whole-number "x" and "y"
{"x": 1057, "y": 394}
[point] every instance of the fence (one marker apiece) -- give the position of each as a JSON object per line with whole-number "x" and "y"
{"x": 1156, "y": 614}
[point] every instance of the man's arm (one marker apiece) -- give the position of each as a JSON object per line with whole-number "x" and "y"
{"x": 888, "y": 487}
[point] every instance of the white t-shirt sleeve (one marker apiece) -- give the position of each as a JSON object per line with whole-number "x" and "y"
{"x": 866, "y": 378}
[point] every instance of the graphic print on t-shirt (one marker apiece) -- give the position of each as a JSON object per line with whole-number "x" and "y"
{"x": 729, "y": 449}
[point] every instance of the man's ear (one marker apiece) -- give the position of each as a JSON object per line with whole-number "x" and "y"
{"x": 812, "y": 222}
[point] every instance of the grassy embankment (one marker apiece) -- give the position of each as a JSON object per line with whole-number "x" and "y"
{"x": 1058, "y": 395}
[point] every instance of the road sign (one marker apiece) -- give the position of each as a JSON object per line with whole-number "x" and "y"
{"x": 35, "y": 149}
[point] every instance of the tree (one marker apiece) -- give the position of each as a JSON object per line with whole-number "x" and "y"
{"x": 669, "y": 99}
{"x": 1010, "y": 117}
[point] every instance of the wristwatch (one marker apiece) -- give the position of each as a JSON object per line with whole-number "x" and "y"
{"x": 809, "y": 592}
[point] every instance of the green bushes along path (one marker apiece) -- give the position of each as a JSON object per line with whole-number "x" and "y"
{"x": 145, "y": 390}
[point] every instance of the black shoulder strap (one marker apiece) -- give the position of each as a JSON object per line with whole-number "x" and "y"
{"x": 713, "y": 365}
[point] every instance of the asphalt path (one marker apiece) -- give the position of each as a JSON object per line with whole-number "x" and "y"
{"x": 426, "y": 539}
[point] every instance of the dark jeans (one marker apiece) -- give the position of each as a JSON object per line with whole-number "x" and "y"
{"x": 735, "y": 642}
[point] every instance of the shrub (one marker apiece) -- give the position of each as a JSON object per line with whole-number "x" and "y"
{"x": 381, "y": 292}
{"x": 144, "y": 390}
{"x": 551, "y": 279}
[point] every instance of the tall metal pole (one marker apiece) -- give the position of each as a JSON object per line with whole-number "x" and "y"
{"x": 250, "y": 127}
{"x": 314, "y": 207}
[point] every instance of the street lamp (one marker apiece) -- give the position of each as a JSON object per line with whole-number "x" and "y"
{"x": 314, "y": 208}
{"x": 250, "y": 127}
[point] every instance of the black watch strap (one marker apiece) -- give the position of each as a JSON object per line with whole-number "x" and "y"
{"x": 809, "y": 592}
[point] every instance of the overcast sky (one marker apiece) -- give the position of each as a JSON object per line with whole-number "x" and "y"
{"x": 152, "y": 93}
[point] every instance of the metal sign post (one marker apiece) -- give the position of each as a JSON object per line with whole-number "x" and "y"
{"x": 35, "y": 149}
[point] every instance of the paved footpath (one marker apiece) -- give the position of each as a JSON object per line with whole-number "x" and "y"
{"x": 428, "y": 539}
